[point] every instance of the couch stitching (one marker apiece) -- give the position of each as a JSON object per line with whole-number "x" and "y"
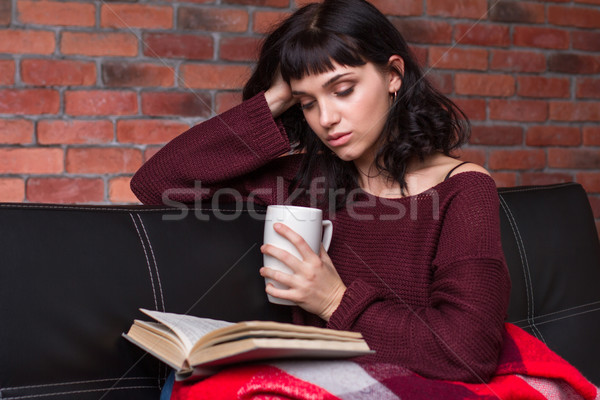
{"x": 162, "y": 298}
{"x": 529, "y": 189}
{"x": 122, "y": 210}
{"x": 510, "y": 221}
{"x": 74, "y": 383}
{"x": 77, "y": 391}
{"x": 525, "y": 265}
{"x": 147, "y": 261}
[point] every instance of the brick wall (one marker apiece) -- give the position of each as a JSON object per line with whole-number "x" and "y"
{"x": 91, "y": 89}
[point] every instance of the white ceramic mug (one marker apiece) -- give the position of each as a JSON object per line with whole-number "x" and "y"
{"x": 306, "y": 222}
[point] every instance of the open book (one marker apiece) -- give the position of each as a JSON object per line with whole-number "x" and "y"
{"x": 186, "y": 342}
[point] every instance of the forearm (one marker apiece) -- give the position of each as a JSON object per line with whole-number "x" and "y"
{"x": 458, "y": 336}
{"x": 223, "y": 148}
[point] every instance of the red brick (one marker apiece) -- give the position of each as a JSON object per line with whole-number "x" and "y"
{"x": 574, "y": 16}
{"x": 74, "y": 132}
{"x": 473, "y": 108}
{"x": 105, "y": 160}
{"x": 12, "y": 190}
{"x": 455, "y": 58}
{"x": 5, "y": 12}
{"x": 56, "y": 13}
{"x": 543, "y": 135}
{"x": 212, "y": 19}
{"x": 500, "y": 135}
{"x": 595, "y": 204}
{"x": 302, "y": 3}
{"x": 208, "y": 76}
{"x": 574, "y": 63}
{"x": 16, "y": 131}
{"x": 424, "y": 30}
{"x": 99, "y": 44}
{"x": 441, "y": 81}
{"x": 47, "y": 72}
{"x": 239, "y": 48}
{"x": 544, "y": 178}
{"x": 260, "y": 3}
{"x": 153, "y": 131}
{"x": 517, "y": 11}
{"x": 266, "y": 21}
{"x": 516, "y": 159}
{"x": 484, "y": 84}
{"x": 29, "y": 101}
{"x": 591, "y": 136}
{"x": 537, "y": 86}
{"x": 191, "y": 104}
{"x": 586, "y": 40}
{"x": 120, "y": 192}
{"x": 65, "y": 190}
{"x": 482, "y": 35}
{"x": 31, "y": 161}
{"x": 150, "y": 151}
{"x": 518, "y": 61}
{"x": 169, "y": 45}
{"x": 399, "y": 7}
{"x": 588, "y": 1}
{"x": 475, "y": 9}
{"x": 7, "y": 72}
{"x": 581, "y": 111}
{"x": 123, "y": 74}
{"x": 547, "y": 38}
{"x": 136, "y": 16}
{"x": 421, "y": 54}
{"x": 519, "y": 110}
{"x": 588, "y": 88}
{"x": 574, "y": 158}
{"x": 227, "y": 100}
{"x": 27, "y": 42}
{"x": 504, "y": 179}
{"x": 590, "y": 181}
{"x": 100, "y": 102}
{"x": 474, "y": 155}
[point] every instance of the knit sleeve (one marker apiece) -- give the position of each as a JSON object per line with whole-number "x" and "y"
{"x": 210, "y": 154}
{"x": 458, "y": 335}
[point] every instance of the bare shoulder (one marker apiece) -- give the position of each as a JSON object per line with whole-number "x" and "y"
{"x": 468, "y": 167}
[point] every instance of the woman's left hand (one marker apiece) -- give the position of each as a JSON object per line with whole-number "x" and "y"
{"x": 314, "y": 285}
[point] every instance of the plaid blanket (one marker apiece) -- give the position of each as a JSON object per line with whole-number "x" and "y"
{"x": 527, "y": 370}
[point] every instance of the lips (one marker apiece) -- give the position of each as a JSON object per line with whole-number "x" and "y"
{"x": 338, "y": 139}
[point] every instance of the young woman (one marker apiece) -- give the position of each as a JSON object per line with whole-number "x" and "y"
{"x": 338, "y": 115}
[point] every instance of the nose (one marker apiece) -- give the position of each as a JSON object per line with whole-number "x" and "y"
{"x": 329, "y": 115}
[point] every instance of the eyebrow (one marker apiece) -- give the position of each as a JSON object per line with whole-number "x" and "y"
{"x": 329, "y": 82}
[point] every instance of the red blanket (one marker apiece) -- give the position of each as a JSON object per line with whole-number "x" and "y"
{"x": 527, "y": 370}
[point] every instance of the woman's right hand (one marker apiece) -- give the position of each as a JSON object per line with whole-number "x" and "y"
{"x": 279, "y": 96}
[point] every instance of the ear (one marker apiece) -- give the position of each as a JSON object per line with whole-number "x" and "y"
{"x": 396, "y": 72}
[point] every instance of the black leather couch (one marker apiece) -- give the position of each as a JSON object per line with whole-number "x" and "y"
{"x": 73, "y": 277}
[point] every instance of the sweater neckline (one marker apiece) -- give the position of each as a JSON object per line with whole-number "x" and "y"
{"x": 424, "y": 192}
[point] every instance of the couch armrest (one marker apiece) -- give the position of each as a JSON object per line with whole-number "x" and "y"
{"x": 551, "y": 246}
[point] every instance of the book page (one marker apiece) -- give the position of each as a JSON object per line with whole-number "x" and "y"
{"x": 187, "y": 327}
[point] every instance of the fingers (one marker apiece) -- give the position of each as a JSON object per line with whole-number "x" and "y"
{"x": 298, "y": 241}
{"x": 282, "y": 255}
{"x": 279, "y": 276}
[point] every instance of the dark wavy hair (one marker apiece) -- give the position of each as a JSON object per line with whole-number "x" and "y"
{"x": 351, "y": 33}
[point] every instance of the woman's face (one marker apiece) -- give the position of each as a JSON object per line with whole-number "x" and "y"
{"x": 347, "y": 108}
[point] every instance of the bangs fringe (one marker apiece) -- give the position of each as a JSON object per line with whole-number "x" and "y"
{"x": 312, "y": 52}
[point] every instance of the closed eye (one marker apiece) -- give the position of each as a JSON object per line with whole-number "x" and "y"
{"x": 346, "y": 92}
{"x": 307, "y": 106}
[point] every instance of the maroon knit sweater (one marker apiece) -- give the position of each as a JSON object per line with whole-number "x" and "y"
{"x": 427, "y": 282}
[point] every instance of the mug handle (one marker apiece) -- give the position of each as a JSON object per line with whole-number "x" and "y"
{"x": 327, "y": 233}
